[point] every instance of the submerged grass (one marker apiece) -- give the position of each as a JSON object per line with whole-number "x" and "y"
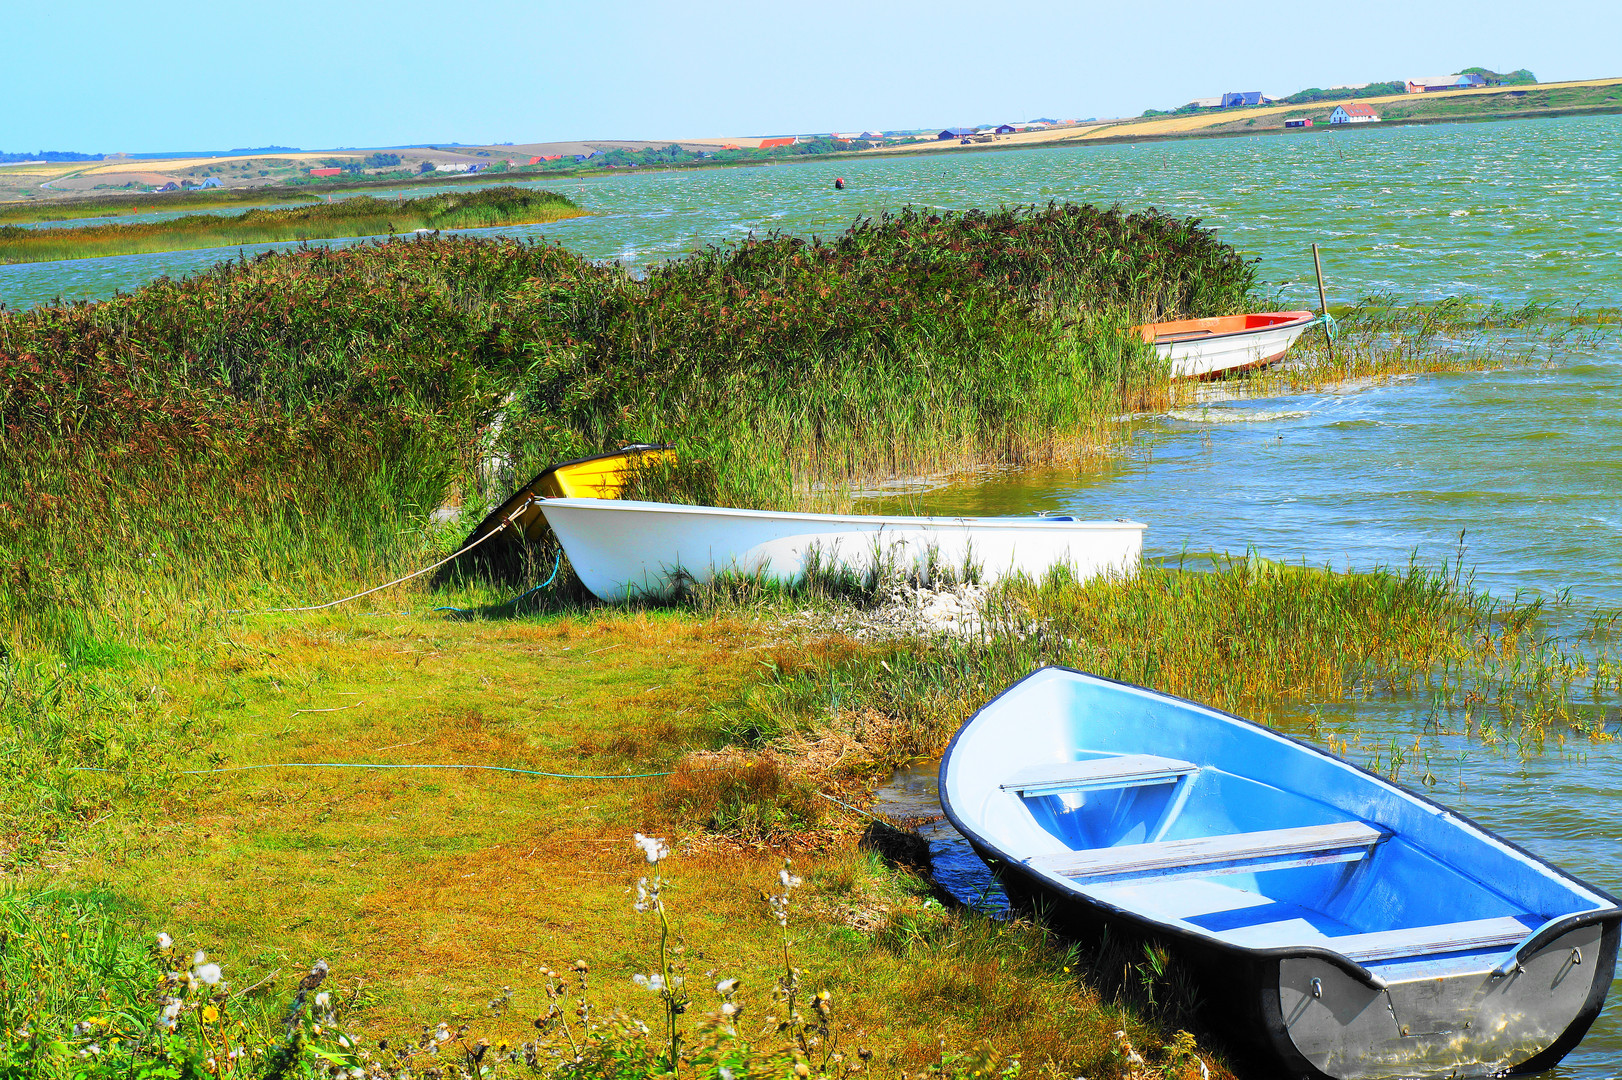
{"x": 1382, "y": 337}
{"x": 359, "y": 216}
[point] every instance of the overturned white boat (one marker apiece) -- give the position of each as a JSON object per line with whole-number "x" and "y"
{"x": 622, "y": 548}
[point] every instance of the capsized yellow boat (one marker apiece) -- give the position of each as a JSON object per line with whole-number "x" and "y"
{"x": 600, "y": 476}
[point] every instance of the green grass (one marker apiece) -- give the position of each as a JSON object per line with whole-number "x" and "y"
{"x": 360, "y": 216}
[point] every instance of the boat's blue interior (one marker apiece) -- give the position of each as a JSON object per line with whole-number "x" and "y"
{"x": 1225, "y": 828}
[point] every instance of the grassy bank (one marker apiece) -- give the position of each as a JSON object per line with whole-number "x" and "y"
{"x": 281, "y": 429}
{"x": 277, "y": 433}
{"x": 1508, "y": 103}
{"x": 429, "y": 892}
{"x": 146, "y": 203}
{"x": 361, "y": 216}
{"x": 218, "y": 423}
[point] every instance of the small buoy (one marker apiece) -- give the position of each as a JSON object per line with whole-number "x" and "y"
{"x": 839, "y": 183}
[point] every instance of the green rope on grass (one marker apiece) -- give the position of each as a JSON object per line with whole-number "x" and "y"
{"x": 363, "y": 765}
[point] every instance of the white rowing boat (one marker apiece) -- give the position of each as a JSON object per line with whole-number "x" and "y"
{"x": 1211, "y": 348}
{"x": 622, "y": 548}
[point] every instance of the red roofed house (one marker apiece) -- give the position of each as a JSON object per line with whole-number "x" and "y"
{"x": 772, "y": 144}
{"x": 536, "y": 160}
{"x": 325, "y": 172}
{"x": 1353, "y": 112}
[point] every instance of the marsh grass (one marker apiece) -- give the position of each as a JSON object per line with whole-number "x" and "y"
{"x": 1245, "y": 635}
{"x": 1382, "y": 336}
{"x": 146, "y": 203}
{"x": 282, "y": 423}
{"x": 358, "y": 216}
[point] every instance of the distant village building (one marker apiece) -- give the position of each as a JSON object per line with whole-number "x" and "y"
{"x": 772, "y": 144}
{"x": 1236, "y": 98}
{"x": 1298, "y": 123}
{"x": 1354, "y": 112}
{"x": 955, "y": 133}
{"x": 1006, "y": 129}
{"x": 211, "y": 182}
{"x": 170, "y": 186}
{"x": 1430, "y": 84}
{"x": 325, "y": 172}
{"x": 1207, "y": 103}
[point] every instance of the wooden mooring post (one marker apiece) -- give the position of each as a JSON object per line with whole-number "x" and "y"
{"x": 1323, "y": 303}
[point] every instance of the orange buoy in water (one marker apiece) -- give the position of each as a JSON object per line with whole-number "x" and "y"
{"x": 839, "y": 183}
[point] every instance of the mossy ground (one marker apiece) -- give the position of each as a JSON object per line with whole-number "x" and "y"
{"x": 428, "y": 891}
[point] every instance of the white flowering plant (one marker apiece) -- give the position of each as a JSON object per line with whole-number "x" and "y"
{"x": 82, "y": 999}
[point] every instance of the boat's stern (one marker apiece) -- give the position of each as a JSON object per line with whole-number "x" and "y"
{"x": 1443, "y": 1016}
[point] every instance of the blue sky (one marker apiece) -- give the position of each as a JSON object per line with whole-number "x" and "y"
{"x": 95, "y": 75}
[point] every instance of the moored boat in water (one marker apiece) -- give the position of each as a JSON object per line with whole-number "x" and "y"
{"x": 622, "y": 548}
{"x": 1210, "y": 348}
{"x": 1350, "y": 928}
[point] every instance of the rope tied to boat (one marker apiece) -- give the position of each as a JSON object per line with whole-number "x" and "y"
{"x": 1327, "y": 321}
{"x": 556, "y": 564}
{"x": 414, "y": 574}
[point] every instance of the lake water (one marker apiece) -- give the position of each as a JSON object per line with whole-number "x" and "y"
{"x": 1520, "y": 469}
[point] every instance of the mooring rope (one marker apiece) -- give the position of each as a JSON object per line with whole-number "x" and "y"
{"x": 365, "y": 765}
{"x": 556, "y": 563}
{"x": 416, "y": 573}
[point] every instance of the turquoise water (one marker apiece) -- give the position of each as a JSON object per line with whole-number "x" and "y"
{"x": 1512, "y": 210}
{"x": 1519, "y": 471}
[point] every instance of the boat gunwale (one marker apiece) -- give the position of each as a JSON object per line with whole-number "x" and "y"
{"x": 1301, "y": 317}
{"x": 1205, "y": 939}
{"x": 581, "y": 502}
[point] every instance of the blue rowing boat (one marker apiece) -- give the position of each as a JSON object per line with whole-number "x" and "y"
{"x": 1350, "y": 928}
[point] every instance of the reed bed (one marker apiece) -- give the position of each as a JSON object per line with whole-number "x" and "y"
{"x": 217, "y": 419}
{"x": 1383, "y": 337}
{"x": 146, "y": 203}
{"x": 358, "y": 216}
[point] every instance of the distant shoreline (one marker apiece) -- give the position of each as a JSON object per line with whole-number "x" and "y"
{"x": 1442, "y": 108}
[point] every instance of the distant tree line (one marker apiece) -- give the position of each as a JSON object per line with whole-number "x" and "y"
{"x": 51, "y": 155}
{"x": 1314, "y": 94}
{"x": 1522, "y": 77}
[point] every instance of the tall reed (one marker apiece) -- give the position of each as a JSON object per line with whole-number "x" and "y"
{"x": 359, "y": 216}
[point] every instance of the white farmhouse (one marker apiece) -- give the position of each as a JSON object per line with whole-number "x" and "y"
{"x": 1352, "y": 113}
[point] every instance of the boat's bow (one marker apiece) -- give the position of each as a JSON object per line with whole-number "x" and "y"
{"x": 1362, "y": 930}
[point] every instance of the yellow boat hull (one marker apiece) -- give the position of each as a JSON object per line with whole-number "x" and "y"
{"x": 600, "y": 476}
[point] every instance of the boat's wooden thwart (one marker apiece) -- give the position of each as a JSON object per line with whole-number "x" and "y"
{"x": 622, "y": 548}
{"x": 1210, "y": 348}
{"x": 1352, "y": 929}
